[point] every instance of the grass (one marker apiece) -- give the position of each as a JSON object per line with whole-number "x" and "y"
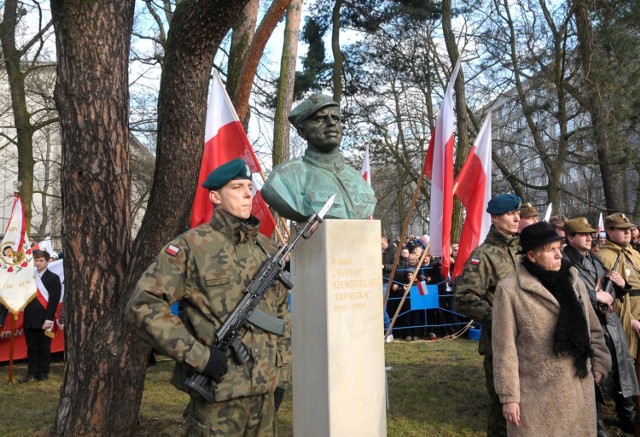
{"x": 435, "y": 389}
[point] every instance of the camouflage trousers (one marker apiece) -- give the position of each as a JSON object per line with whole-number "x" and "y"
{"x": 253, "y": 416}
{"x": 496, "y": 423}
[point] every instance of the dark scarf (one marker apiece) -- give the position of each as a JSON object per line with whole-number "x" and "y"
{"x": 571, "y": 334}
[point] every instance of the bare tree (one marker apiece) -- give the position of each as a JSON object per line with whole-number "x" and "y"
{"x": 20, "y": 63}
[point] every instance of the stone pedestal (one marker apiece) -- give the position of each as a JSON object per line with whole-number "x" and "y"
{"x": 337, "y": 332}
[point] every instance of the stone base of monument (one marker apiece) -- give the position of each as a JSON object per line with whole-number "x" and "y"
{"x": 337, "y": 332}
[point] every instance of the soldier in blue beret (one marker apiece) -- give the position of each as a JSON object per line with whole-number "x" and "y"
{"x": 301, "y": 187}
{"x": 207, "y": 268}
{"x": 490, "y": 262}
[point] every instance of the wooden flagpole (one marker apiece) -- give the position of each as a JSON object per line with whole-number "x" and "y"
{"x": 11, "y": 344}
{"x": 396, "y": 259}
{"x": 406, "y": 292}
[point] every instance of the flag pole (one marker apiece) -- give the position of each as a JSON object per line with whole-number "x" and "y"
{"x": 11, "y": 344}
{"x": 405, "y": 227}
{"x": 404, "y": 296}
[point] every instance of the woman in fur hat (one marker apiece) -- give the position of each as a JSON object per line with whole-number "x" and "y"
{"x": 548, "y": 347}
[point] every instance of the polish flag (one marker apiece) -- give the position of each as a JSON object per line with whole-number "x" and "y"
{"x": 226, "y": 140}
{"x": 366, "y": 167}
{"x": 601, "y": 232}
{"x": 438, "y": 166}
{"x": 422, "y": 288}
{"x": 473, "y": 188}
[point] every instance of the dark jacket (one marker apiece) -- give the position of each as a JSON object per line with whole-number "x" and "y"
{"x": 34, "y": 313}
{"x": 592, "y": 272}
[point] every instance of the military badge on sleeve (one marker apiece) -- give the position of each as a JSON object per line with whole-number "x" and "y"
{"x": 172, "y": 250}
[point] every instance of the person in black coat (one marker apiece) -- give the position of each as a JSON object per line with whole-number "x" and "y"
{"x": 39, "y": 320}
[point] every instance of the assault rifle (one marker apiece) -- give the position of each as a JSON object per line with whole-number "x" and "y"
{"x": 229, "y": 334}
{"x": 609, "y": 285}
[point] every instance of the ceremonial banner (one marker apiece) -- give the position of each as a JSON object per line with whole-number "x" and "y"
{"x": 17, "y": 282}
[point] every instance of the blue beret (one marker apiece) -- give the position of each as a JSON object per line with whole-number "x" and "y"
{"x": 503, "y": 203}
{"x": 218, "y": 178}
{"x": 310, "y": 106}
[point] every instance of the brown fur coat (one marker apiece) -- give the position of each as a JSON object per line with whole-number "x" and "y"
{"x": 553, "y": 401}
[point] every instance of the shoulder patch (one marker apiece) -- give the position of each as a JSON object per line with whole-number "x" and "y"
{"x": 172, "y": 250}
{"x": 474, "y": 261}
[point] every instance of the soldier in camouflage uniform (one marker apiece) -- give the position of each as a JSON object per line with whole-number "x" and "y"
{"x": 207, "y": 269}
{"x": 493, "y": 260}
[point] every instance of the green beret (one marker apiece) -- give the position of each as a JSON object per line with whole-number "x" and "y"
{"x": 504, "y": 203}
{"x": 310, "y": 106}
{"x": 218, "y": 178}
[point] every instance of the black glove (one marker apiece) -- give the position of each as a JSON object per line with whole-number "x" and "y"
{"x": 278, "y": 396}
{"x": 217, "y": 364}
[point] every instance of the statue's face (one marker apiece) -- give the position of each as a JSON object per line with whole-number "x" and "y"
{"x": 323, "y": 130}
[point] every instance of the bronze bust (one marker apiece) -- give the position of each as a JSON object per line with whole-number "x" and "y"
{"x": 299, "y": 188}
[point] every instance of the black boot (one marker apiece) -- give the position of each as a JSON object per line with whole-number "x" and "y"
{"x": 602, "y": 430}
{"x": 626, "y": 412}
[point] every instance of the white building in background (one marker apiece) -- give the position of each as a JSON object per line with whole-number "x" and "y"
{"x": 513, "y": 142}
{"x": 46, "y": 204}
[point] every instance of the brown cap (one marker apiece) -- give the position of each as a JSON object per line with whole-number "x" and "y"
{"x": 528, "y": 210}
{"x": 558, "y": 220}
{"x": 578, "y": 225}
{"x": 618, "y": 220}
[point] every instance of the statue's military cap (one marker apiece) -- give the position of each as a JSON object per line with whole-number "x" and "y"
{"x": 310, "y": 106}
{"x": 503, "y": 203}
{"x": 218, "y": 178}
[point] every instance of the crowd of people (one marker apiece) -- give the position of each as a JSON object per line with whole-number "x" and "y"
{"x": 560, "y": 310}
{"x": 422, "y": 324}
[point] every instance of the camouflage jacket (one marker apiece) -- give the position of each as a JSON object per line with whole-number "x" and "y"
{"x": 490, "y": 262}
{"x": 207, "y": 268}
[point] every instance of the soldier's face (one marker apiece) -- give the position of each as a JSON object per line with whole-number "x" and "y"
{"x": 526, "y": 221}
{"x": 507, "y": 223}
{"x": 619, "y": 235}
{"x": 323, "y": 130}
{"x": 236, "y": 197}
{"x": 580, "y": 242}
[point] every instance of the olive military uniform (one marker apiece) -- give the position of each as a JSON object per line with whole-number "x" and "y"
{"x": 490, "y": 262}
{"x": 207, "y": 269}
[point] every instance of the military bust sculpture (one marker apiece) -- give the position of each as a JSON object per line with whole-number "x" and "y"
{"x": 299, "y": 188}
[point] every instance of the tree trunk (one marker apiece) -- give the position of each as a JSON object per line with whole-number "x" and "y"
{"x": 285, "y": 85}
{"x": 243, "y": 32}
{"x": 610, "y": 158}
{"x": 16, "y": 77}
{"x": 252, "y": 58}
{"x": 92, "y": 98}
{"x": 338, "y": 57}
{"x": 104, "y": 372}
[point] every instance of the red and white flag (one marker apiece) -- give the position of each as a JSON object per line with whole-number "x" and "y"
{"x": 422, "y": 288}
{"x": 225, "y": 140}
{"x": 438, "y": 166}
{"x": 17, "y": 282}
{"x": 366, "y": 167}
{"x": 473, "y": 188}
{"x": 600, "y": 225}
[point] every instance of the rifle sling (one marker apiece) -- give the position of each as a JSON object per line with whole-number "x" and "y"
{"x": 267, "y": 322}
